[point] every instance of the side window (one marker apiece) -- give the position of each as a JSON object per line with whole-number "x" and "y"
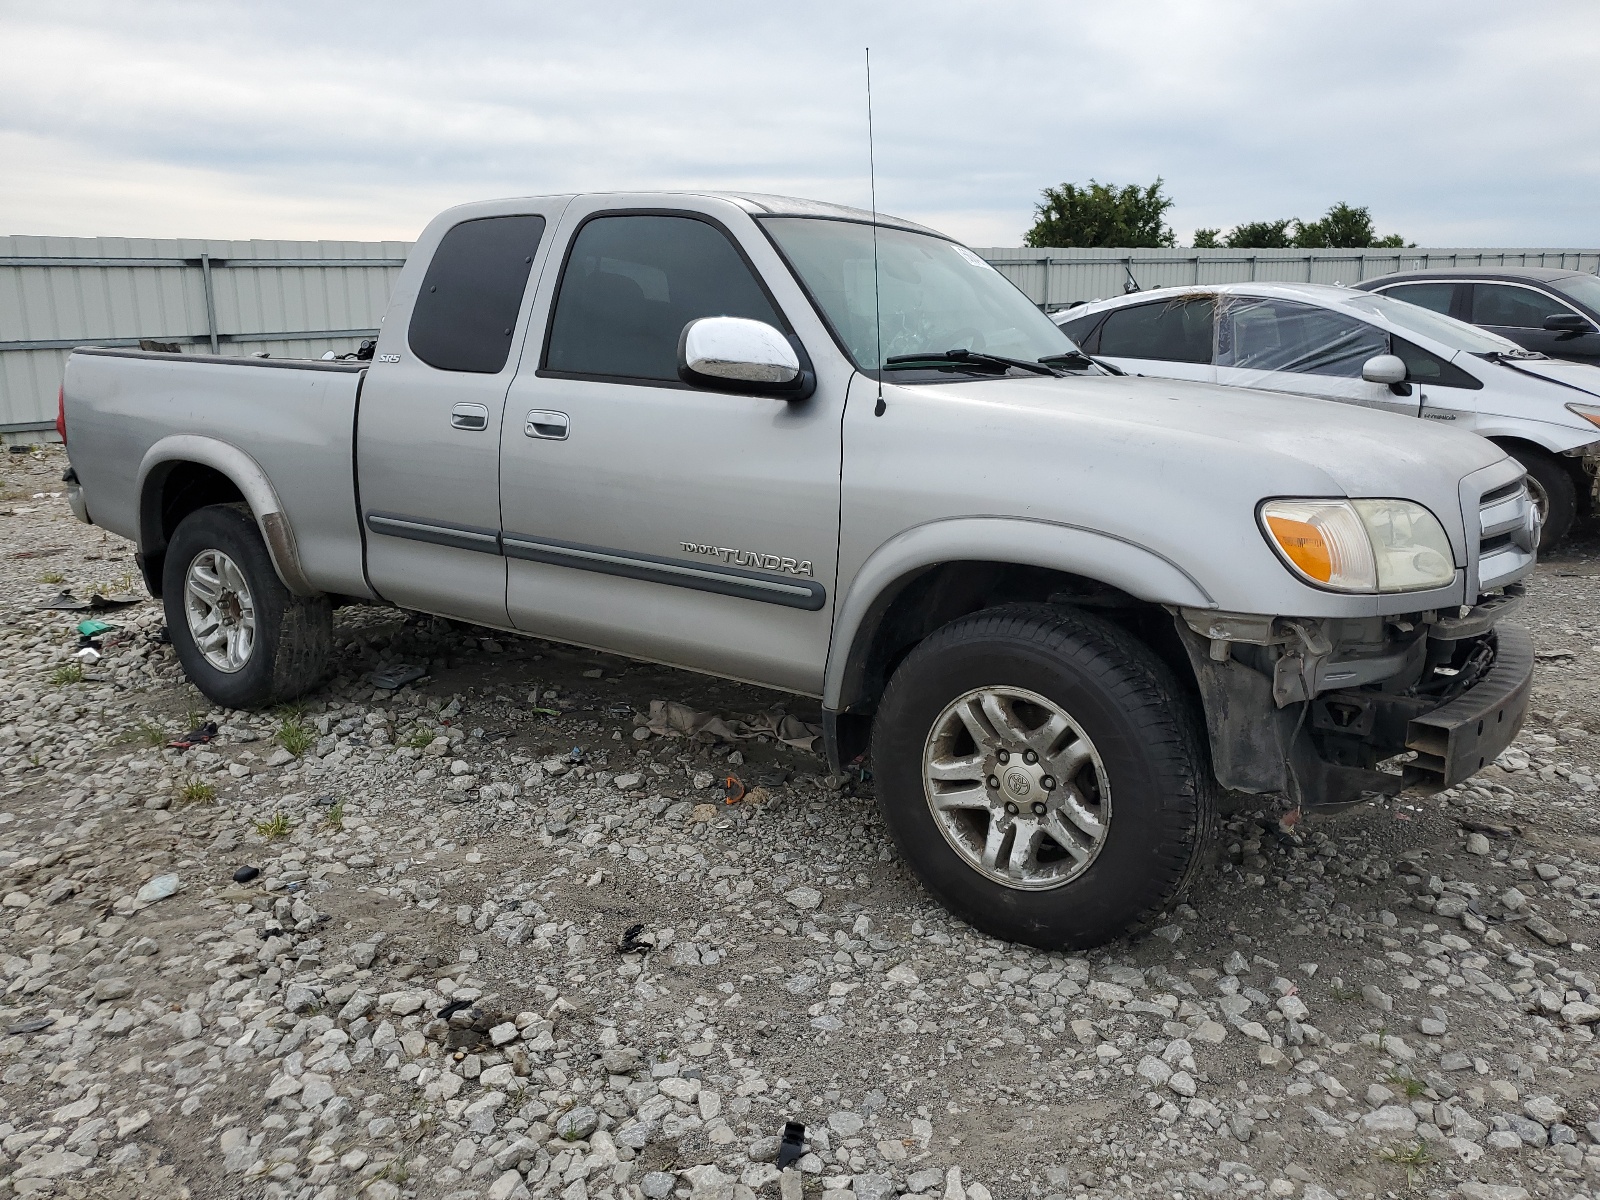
{"x": 1079, "y": 329}
{"x": 466, "y": 312}
{"x": 632, "y": 283}
{"x": 1429, "y": 368}
{"x": 1433, "y": 296}
{"x": 1512, "y": 307}
{"x": 1169, "y": 331}
{"x": 1283, "y": 335}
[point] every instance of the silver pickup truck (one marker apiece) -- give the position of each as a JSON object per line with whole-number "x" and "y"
{"x": 1064, "y": 606}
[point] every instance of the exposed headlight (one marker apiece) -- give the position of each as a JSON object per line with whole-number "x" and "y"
{"x": 1360, "y": 545}
{"x": 1589, "y": 412}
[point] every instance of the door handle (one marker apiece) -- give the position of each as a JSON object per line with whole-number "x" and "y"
{"x": 469, "y": 416}
{"x": 546, "y": 423}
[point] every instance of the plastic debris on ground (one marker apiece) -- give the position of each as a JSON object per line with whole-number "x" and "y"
{"x": 397, "y": 677}
{"x": 793, "y": 1146}
{"x": 65, "y": 601}
{"x": 632, "y": 943}
{"x": 732, "y": 790}
{"x": 668, "y": 718}
{"x": 197, "y": 736}
{"x": 93, "y": 627}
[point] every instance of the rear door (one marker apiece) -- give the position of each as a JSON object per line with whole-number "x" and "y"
{"x": 1517, "y": 311}
{"x": 649, "y": 517}
{"x": 1291, "y": 346}
{"x": 428, "y": 437}
{"x": 1171, "y": 339}
{"x": 1445, "y": 297}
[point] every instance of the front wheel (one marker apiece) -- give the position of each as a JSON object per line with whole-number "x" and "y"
{"x": 1043, "y": 775}
{"x": 1553, "y": 491}
{"x": 244, "y": 640}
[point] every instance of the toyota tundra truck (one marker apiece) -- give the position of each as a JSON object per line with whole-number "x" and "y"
{"x": 836, "y": 453}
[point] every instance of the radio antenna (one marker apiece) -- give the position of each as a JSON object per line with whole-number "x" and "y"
{"x": 872, "y": 179}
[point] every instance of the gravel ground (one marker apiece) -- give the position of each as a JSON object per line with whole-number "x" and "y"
{"x": 423, "y": 982}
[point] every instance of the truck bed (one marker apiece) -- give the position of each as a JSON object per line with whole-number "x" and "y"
{"x": 295, "y": 417}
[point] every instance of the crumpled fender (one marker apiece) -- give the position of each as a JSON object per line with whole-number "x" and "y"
{"x": 252, "y": 482}
{"x": 1133, "y": 568}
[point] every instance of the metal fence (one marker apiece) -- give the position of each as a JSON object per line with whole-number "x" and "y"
{"x": 1057, "y": 278}
{"x": 302, "y": 299}
{"x": 289, "y": 299}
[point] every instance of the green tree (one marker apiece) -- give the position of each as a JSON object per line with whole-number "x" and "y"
{"x": 1262, "y": 235}
{"x": 1343, "y": 227}
{"x": 1101, "y": 214}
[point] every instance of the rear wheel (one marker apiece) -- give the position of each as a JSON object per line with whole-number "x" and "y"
{"x": 244, "y": 640}
{"x": 1554, "y": 493}
{"x": 1043, "y": 775}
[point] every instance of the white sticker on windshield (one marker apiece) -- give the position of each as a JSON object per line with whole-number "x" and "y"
{"x": 971, "y": 257}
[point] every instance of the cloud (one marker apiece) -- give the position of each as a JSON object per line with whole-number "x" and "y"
{"x": 360, "y": 120}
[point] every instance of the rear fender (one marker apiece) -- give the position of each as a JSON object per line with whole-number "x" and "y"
{"x": 1142, "y": 573}
{"x": 245, "y": 474}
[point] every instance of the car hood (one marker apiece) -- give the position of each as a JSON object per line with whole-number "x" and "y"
{"x": 1578, "y": 376}
{"x": 1298, "y": 444}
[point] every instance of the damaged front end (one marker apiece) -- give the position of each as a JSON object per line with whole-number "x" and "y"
{"x": 1311, "y": 708}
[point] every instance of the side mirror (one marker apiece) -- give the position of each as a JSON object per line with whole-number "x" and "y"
{"x": 735, "y": 354}
{"x": 1384, "y": 368}
{"x": 1567, "y": 323}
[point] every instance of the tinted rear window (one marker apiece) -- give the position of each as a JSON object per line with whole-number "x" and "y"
{"x": 466, "y": 312}
{"x": 1433, "y": 296}
{"x": 1169, "y": 331}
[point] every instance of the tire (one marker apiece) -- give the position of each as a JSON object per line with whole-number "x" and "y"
{"x": 289, "y": 637}
{"x": 1553, "y": 490}
{"x": 1148, "y": 772}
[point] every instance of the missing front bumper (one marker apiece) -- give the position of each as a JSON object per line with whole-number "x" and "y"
{"x": 1461, "y": 737}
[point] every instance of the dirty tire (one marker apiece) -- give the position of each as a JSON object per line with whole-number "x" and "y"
{"x": 1147, "y": 732}
{"x": 1549, "y": 478}
{"x": 294, "y": 635}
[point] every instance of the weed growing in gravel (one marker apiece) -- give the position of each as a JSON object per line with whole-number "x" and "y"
{"x": 196, "y": 791}
{"x": 395, "y": 1171}
{"x": 335, "y": 818}
{"x": 1415, "y": 1159}
{"x": 123, "y": 584}
{"x": 52, "y": 577}
{"x": 1412, "y": 1088}
{"x": 276, "y": 826}
{"x": 146, "y": 733}
{"x": 71, "y": 673}
{"x": 419, "y": 739}
{"x": 295, "y": 736}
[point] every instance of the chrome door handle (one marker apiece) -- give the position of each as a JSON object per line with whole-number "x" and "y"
{"x": 469, "y": 416}
{"x": 546, "y": 423}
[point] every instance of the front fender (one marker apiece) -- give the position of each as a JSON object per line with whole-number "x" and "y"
{"x": 246, "y": 474}
{"x": 1556, "y": 438}
{"x": 1141, "y": 572}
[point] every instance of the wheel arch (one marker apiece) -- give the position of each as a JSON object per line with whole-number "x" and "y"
{"x": 185, "y": 472}
{"x": 933, "y": 573}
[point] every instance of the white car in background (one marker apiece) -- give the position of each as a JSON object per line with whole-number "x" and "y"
{"x": 1341, "y": 344}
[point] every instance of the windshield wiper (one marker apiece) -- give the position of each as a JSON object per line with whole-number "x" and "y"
{"x": 1519, "y": 356}
{"x": 973, "y": 358}
{"x": 1077, "y": 360}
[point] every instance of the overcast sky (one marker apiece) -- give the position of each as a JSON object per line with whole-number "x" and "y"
{"x": 1458, "y": 122}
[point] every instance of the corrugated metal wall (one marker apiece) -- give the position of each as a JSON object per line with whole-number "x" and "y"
{"x": 1057, "y": 278}
{"x": 290, "y": 299}
{"x": 301, "y": 299}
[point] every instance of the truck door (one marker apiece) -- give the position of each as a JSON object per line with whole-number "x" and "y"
{"x": 428, "y": 432}
{"x": 1289, "y": 346}
{"x": 655, "y": 519}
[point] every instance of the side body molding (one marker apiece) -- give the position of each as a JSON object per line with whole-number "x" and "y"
{"x": 1139, "y": 571}
{"x": 246, "y": 475}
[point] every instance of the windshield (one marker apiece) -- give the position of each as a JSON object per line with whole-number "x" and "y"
{"x": 935, "y": 295}
{"x": 1457, "y": 335}
{"x": 1585, "y": 289}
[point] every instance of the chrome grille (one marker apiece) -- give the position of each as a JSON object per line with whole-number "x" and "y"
{"x": 1508, "y": 535}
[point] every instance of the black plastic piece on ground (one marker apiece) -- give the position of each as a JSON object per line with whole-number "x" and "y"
{"x": 197, "y": 736}
{"x": 793, "y": 1145}
{"x": 631, "y": 943}
{"x": 246, "y": 874}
